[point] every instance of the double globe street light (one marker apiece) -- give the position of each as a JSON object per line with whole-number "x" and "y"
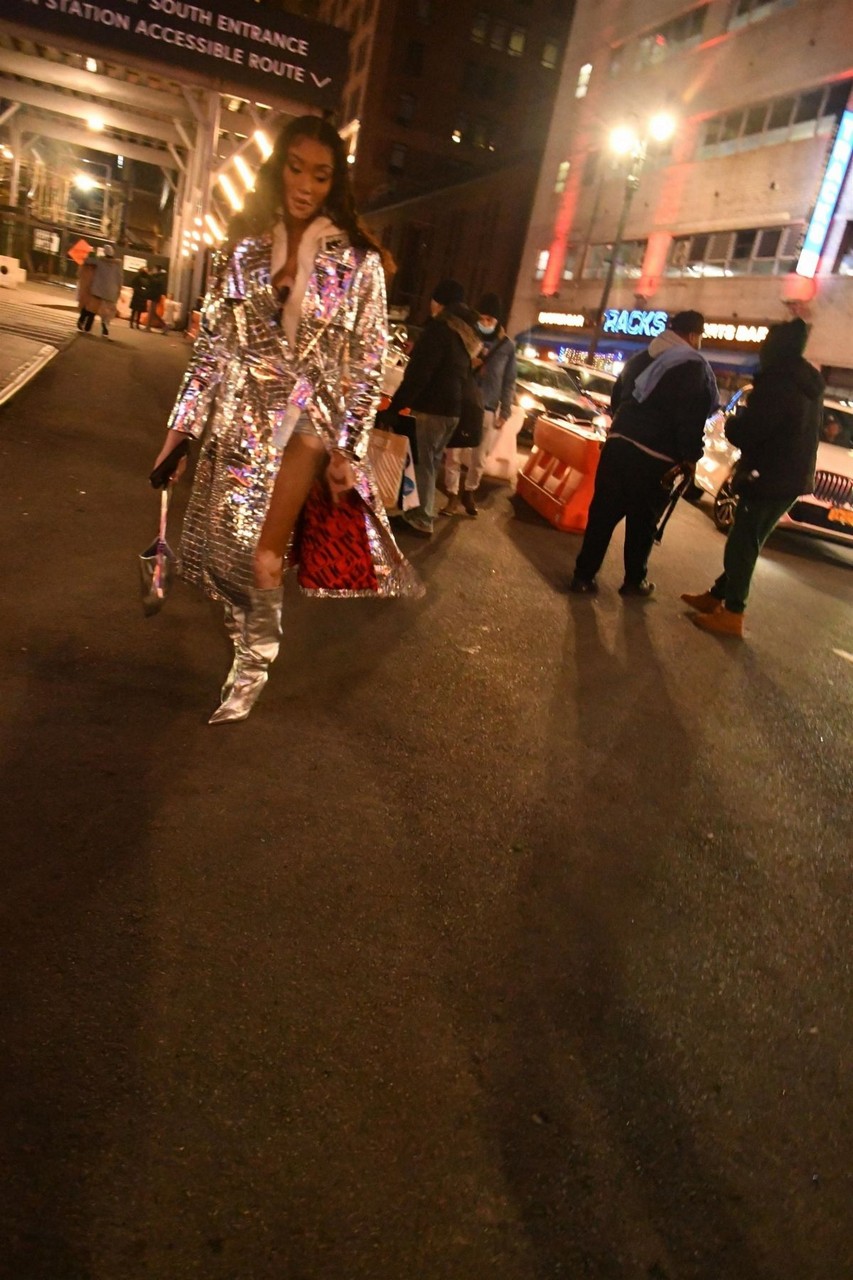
{"x": 627, "y": 143}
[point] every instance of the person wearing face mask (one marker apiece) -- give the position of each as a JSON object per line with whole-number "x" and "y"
{"x": 495, "y": 370}
{"x": 282, "y": 390}
{"x": 433, "y": 388}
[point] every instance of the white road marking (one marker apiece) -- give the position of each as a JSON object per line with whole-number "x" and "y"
{"x": 843, "y": 654}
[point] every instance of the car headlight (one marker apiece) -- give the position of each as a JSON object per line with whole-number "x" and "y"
{"x": 602, "y": 422}
{"x": 529, "y": 403}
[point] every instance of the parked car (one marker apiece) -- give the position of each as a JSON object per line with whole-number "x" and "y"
{"x": 594, "y": 383}
{"x": 828, "y": 512}
{"x": 546, "y": 388}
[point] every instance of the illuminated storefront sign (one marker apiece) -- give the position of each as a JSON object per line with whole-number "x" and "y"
{"x": 752, "y": 333}
{"x": 565, "y": 319}
{"x": 827, "y": 197}
{"x": 639, "y": 324}
{"x": 649, "y": 324}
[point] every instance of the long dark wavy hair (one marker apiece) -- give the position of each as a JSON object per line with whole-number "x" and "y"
{"x": 264, "y": 202}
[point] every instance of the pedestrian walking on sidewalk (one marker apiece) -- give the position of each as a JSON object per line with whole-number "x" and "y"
{"x": 660, "y": 401}
{"x": 433, "y": 388}
{"x": 106, "y": 287}
{"x": 777, "y": 434}
{"x": 495, "y": 371}
{"x": 282, "y": 388}
{"x": 139, "y": 297}
{"x": 87, "y": 304}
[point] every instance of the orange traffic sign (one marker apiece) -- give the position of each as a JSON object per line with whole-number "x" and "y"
{"x": 80, "y": 251}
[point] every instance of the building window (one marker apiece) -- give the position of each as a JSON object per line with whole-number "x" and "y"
{"x": 471, "y": 78}
{"x": 517, "y": 42}
{"x": 508, "y": 86}
{"x": 500, "y": 31}
{"x": 541, "y": 265}
{"x": 550, "y": 53}
{"x": 628, "y": 267}
{"x": 489, "y": 82}
{"x": 562, "y": 177}
{"x": 397, "y": 157}
{"x": 813, "y": 113}
{"x": 570, "y": 266}
{"x": 780, "y": 114}
{"x": 479, "y": 27}
{"x": 746, "y": 11}
{"x": 413, "y": 62}
{"x": 672, "y": 37}
{"x": 747, "y": 251}
{"x": 583, "y": 80}
{"x": 405, "y": 108}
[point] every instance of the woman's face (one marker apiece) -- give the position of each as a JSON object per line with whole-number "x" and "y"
{"x": 307, "y": 179}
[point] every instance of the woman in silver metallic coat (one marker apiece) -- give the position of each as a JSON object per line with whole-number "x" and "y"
{"x": 282, "y": 389}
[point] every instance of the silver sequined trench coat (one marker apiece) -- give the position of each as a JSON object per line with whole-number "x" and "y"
{"x": 245, "y": 386}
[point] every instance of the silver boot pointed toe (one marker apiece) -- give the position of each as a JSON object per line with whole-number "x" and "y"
{"x": 235, "y": 625}
{"x": 255, "y": 649}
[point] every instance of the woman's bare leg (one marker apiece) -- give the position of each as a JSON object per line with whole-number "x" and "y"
{"x": 302, "y": 463}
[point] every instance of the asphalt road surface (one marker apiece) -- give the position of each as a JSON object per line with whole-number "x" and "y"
{"x": 507, "y": 939}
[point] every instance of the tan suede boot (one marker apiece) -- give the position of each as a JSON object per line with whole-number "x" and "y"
{"x": 453, "y": 507}
{"x": 704, "y": 603}
{"x": 721, "y": 623}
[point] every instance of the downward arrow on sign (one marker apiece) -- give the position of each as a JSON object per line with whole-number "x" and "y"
{"x": 321, "y": 84}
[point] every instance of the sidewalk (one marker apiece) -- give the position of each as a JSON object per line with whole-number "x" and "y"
{"x": 36, "y": 322}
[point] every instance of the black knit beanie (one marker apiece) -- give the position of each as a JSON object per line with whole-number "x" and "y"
{"x": 491, "y": 305}
{"x": 448, "y": 293}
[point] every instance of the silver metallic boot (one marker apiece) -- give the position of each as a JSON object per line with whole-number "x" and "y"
{"x": 235, "y": 623}
{"x": 255, "y": 647}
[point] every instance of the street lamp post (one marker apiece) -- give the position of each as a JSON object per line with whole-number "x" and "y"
{"x": 626, "y": 142}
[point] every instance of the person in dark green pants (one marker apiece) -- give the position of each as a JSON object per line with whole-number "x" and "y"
{"x": 777, "y": 434}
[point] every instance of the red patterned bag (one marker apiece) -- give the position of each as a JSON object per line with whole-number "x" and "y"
{"x": 331, "y": 546}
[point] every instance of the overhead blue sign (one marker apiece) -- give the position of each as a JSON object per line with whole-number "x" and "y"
{"x": 827, "y": 198}
{"x": 638, "y": 324}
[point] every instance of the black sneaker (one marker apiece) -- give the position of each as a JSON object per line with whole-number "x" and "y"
{"x": 583, "y": 586}
{"x": 643, "y": 589}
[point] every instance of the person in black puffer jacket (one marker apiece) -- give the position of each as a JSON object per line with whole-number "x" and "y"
{"x": 777, "y": 434}
{"x": 432, "y": 387}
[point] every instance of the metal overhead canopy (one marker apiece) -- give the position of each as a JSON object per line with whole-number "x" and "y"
{"x": 161, "y": 67}
{"x": 238, "y": 47}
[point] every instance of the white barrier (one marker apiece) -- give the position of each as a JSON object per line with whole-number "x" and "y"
{"x": 11, "y": 273}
